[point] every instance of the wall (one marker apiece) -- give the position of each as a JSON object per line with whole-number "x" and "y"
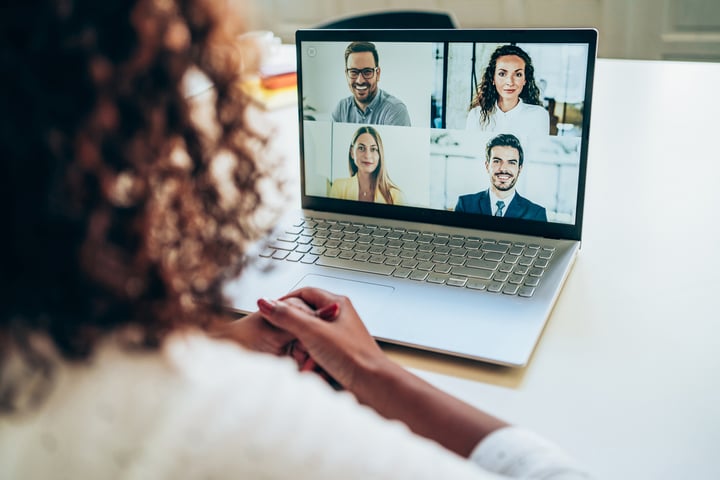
{"x": 646, "y": 29}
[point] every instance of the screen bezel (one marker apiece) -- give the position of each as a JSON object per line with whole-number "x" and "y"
{"x": 586, "y": 36}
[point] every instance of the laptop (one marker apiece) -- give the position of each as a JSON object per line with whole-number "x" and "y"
{"x": 476, "y": 216}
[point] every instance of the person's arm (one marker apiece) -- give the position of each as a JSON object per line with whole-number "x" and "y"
{"x": 345, "y": 350}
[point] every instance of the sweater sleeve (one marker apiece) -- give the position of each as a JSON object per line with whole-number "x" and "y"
{"x": 517, "y": 453}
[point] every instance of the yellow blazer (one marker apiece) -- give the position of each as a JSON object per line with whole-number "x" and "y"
{"x": 349, "y": 189}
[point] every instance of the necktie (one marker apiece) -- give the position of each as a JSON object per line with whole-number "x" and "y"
{"x": 500, "y": 205}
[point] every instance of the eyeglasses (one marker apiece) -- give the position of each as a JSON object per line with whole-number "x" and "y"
{"x": 367, "y": 73}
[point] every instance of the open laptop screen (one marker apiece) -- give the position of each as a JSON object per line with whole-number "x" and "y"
{"x": 477, "y": 128}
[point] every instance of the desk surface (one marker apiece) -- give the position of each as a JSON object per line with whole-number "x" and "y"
{"x": 627, "y": 373}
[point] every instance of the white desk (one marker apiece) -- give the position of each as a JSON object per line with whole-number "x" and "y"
{"x": 627, "y": 373}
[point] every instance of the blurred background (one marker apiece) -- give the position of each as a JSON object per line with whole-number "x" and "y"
{"x": 638, "y": 29}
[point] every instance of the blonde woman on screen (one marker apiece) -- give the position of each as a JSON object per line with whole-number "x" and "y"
{"x": 369, "y": 181}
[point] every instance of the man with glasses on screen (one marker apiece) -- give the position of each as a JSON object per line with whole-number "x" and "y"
{"x": 368, "y": 104}
{"x": 503, "y": 162}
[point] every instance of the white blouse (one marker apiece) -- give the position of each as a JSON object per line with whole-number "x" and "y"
{"x": 521, "y": 120}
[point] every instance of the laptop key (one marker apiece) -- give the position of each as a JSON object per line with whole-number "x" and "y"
{"x": 294, "y": 257}
{"x": 280, "y": 254}
{"x": 362, "y": 256}
{"x": 482, "y": 264}
{"x": 494, "y": 256}
{"x": 442, "y": 268}
{"x": 366, "y": 267}
{"x": 494, "y": 247}
{"x": 376, "y": 259}
{"x": 476, "y": 284}
{"x": 402, "y": 272}
{"x": 309, "y": 258}
{"x": 278, "y": 245}
{"x": 526, "y": 291}
{"x": 541, "y": 263}
{"x": 425, "y": 266}
{"x": 456, "y": 281}
{"x": 495, "y": 287}
{"x": 394, "y": 261}
{"x": 437, "y": 278}
{"x": 418, "y": 275}
{"x": 456, "y": 261}
{"x": 472, "y": 272}
{"x": 409, "y": 263}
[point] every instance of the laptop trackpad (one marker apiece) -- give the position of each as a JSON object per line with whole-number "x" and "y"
{"x": 366, "y": 297}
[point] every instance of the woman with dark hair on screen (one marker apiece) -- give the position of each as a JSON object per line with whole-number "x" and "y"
{"x": 126, "y": 206}
{"x": 507, "y": 99}
{"x": 369, "y": 180}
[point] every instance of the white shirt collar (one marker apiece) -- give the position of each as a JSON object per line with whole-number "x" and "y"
{"x": 517, "y": 108}
{"x": 494, "y": 199}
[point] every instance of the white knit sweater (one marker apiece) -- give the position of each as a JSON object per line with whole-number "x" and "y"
{"x": 208, "y": 409}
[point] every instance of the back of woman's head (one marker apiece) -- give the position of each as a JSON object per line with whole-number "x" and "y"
{"x": 120, "y": 209}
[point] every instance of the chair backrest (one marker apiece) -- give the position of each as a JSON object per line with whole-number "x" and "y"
{"x": 393, "y": 19}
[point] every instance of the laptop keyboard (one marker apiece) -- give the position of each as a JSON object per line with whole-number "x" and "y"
{"x": 499, "y": 266}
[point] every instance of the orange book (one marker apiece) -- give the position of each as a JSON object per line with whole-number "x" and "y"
{"x": 282, "y": 80}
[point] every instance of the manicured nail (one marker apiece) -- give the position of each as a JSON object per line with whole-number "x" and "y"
{"x": 309, "y": 365}
{"x": 328, "y": 312}
{"x": 266, "y": 306}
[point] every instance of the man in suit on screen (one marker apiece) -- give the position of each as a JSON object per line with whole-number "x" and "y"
{"x": 504, "y": 163}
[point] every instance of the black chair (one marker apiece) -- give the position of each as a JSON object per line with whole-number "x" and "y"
{"x": 398, "y": 19}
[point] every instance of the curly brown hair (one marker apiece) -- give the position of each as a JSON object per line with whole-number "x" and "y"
{"x": 123, "y": 209}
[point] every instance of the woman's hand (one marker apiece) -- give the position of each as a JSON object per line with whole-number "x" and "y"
{"x": 330, "y": 331}
{"x": 334, "y": 336}
{"x": 255, "y": 333}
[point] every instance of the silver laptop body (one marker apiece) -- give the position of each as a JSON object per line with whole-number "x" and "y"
{"x": 421, "y": 273}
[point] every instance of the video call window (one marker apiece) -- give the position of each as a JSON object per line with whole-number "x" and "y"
{"x": 438, "y": 157}
{"x": 555, "y": 83}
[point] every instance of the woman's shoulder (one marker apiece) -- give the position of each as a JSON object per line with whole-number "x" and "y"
{"x": 343, "y": 187}
{"x": 534, "y": 109}
{"x": 343, "y": 182}
{"x": 397, "y": 195}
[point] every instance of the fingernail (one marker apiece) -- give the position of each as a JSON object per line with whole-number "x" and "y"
{"x": 328, "y": 312}
{"x": 308, "y": 365}
{"x": 266, "y": 306}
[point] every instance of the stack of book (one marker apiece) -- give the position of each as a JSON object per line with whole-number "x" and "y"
{"x": 276, "y": 84}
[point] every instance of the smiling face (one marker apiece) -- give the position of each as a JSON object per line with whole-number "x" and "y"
{"x": 509, "y": 78}
{"x": 365, "y": 153}
{"x": 504, "y": 169}
{"x": 363, "y": 89}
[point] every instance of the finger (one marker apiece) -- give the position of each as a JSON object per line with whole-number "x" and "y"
{"x": 315, "y": 297}
{"x": 328, "y": 312}
{"x": 287, "y": 317}
{"x": 298, "y": 302}
{"x": 309, "y": 365}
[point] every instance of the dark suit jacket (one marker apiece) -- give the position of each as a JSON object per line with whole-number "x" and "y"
{"x": 520, "y": 207}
